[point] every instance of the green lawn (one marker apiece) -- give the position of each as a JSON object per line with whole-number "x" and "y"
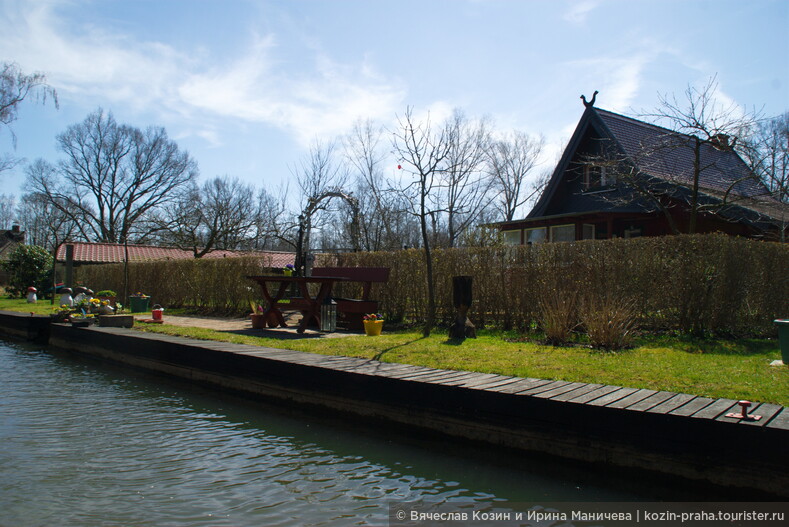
{"x": 42, "y": 307}
{"x": 736, "y": 369}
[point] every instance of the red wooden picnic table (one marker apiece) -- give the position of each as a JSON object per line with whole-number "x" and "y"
{"x": 310, "y": 306}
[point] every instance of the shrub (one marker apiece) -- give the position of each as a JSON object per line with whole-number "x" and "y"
{"x": 609, "y": 320}
{"x": 28, "y": 265}
{"x": 106, "y": 292}
{"x": 558, "y": 315}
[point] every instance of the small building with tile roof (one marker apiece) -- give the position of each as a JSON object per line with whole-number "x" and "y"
{"x": 82, "y": 253}
{"x": 621, "y": 177}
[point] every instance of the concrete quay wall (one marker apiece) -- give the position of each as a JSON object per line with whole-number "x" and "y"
{"x": 676, "y": 434}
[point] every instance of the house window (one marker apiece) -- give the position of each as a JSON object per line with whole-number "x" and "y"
{"x": 597, "y": 176}
{"x": 632, "y": 232}
{"x": 512, "y": 237}
{"x": 588, "y": 231}
{"x": 563, "y": 233}
{"x": 535, "y": 235}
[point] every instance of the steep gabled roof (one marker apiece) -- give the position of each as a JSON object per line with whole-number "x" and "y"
{"x": 9, "y": 239}
{"x": 671, "y": 157}
{"x": 665, "y": 155}
{"x": 115, "y": 252}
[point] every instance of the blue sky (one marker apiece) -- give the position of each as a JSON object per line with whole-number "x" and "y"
{"x": 246, "y": 86}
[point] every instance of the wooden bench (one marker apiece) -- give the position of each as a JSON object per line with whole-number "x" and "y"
{"x": 351, "y": 310}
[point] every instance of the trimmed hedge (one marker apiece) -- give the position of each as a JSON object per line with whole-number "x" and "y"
{"x": 688, "y": 283}
{"x": 211, "y": 285}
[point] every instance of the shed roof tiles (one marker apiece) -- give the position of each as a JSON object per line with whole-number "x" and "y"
{"x": 114, "y": 252}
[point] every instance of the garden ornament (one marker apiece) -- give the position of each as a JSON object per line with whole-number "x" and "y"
{"x": 79, "y": 294}
{"x": 31, "y": 295}
{"x": 65, "y": 297}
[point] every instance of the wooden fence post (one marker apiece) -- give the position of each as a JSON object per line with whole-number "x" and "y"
{"x": 461, "y": 298}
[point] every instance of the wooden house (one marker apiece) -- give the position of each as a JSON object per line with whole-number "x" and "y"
{"x": 620, "y": 177}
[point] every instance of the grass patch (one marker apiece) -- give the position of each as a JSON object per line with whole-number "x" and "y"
{"x": 42, "y": 307}
{"x": 735, "y": 369}
{"x": 45, "y": 307}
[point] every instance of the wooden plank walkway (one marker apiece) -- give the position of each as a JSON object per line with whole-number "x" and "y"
{"x": 577, "y": 393}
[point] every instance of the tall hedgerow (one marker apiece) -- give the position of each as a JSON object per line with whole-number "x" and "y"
{"x": 689, "y": 283}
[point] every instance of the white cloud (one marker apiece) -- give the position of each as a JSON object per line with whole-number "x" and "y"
{"x": 579, "y": 11}
{"x": 617, "y": 79}
{"x": 102, "y": 67}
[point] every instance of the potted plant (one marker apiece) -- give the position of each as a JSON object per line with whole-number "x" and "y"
{"x": 373, "y": 324}
{"x": 258, "y": 320}
{"x": 138, "y": 302}
{"x": 81, "y": 320}
{"x": 60, "y": 314}
{"x": 288, "y": 270}
{"x": 109, "y": 295}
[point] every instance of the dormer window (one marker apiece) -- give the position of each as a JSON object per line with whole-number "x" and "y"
{"x": 596, "y": 177}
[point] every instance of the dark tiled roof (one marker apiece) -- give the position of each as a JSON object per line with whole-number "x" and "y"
{"x": 668, "y": 155}
{"x": 8, "y": 242}
{"x": 114, "y": 252}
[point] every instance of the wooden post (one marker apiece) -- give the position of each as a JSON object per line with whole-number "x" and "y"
{"x": 68, "y": 282}
{"x": 461, "y": 297}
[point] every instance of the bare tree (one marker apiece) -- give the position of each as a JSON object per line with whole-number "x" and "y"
{"x": 466, "y": 189}
{"x": 219, "y": 215}
{"x": 511, "y": 163}
{"x": 422, "y": 151}
{"x": 16, "y": 87}
{"x": 703, "y": 124}
{"x": 383, "y": 224}
{"x": 321, "y": 180}
{"x": 7, "y": 210}
{"x": 274, "y": 225}
{"x": 46, "y": 226}
{"x": 113, "y": 177}
{"x": 768, "y": 155}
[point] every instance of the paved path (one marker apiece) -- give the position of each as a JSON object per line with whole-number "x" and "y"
{"x": 244, "y": 326}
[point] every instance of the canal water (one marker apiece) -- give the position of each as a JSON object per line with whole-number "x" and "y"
{"x": 83, "y": 443}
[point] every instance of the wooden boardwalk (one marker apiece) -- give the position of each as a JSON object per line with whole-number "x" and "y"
{"x": 598, "y": 395}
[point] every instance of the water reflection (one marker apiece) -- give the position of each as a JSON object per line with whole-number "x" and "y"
{"x": 83, "y": 443}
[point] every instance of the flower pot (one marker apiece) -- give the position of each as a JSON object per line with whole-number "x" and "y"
{"x": 258, "y": 321}
{"x": 138, "y": 304}
{"x": 373, "y": 327}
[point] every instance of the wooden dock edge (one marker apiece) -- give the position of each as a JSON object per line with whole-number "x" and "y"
{"x": 568, "y": 420}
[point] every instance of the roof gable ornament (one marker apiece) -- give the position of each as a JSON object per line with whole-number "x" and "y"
{"x": 590, "y": 103}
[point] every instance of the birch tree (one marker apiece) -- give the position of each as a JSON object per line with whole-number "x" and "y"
{"x": 422, "y": 151}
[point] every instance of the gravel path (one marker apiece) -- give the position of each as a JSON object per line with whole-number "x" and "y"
{"x": 244, "y": 326}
